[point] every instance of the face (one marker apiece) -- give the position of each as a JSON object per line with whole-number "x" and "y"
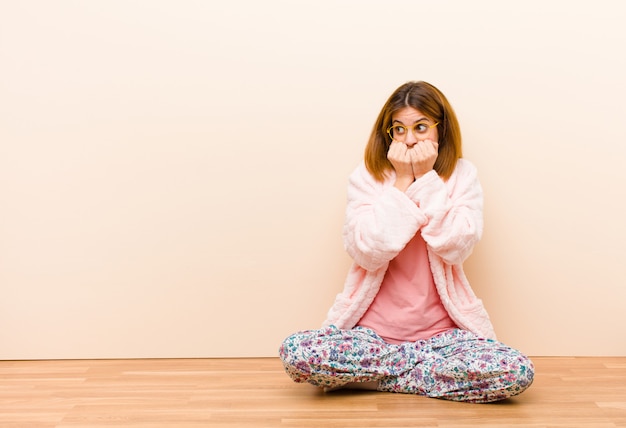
{"x": 410, "y": 125}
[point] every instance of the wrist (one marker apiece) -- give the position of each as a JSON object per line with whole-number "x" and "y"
{"x": 403, "y": 183}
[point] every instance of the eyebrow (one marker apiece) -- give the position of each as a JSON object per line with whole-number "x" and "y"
{"x": 423, "y": 119}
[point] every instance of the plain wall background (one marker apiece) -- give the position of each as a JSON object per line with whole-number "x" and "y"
{"x": 173, "y": 173}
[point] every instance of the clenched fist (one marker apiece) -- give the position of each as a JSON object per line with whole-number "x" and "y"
{"x": 412, "y": 160}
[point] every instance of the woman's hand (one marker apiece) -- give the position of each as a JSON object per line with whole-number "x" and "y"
{"x": 423, "y": 156}
{"x": 410, "y": 163}
{"x": 400, "y": 158}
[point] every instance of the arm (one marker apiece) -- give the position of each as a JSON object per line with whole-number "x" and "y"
{"x": 454, "y": 211}
{"x": 380, "y": 220}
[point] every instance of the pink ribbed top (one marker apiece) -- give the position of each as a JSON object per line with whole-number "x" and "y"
{"x": 407, "y": 307}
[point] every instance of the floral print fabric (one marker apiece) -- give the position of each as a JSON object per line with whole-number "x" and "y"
{"x": 454, "y": 365}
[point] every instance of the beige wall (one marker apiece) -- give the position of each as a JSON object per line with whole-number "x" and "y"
{"x": 173, "y": 173}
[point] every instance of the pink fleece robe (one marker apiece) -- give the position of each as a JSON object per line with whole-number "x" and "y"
{"x": 381, "y": 220}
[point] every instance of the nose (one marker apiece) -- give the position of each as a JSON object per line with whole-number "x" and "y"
{"x": 410, "y": 139}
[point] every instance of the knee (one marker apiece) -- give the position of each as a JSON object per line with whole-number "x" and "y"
{"x": 295, "y": 348}
{"x": 296, "y": 358}
{"x": 289, "y": 348}
{"x": 518, "y": 377}
{"x": 514, "y": 375}
{"x": 312, "y": 342}
{"x": 524, "y": 370}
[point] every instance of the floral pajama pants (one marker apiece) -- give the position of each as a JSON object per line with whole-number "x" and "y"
{"x": 454, "y": 365}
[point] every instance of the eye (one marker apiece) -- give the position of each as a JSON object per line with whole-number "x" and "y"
{"x": 421, "y": 128}
{"x": 398, "y": 130}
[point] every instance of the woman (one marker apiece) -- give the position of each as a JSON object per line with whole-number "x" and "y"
{"x": 407, "y": 320}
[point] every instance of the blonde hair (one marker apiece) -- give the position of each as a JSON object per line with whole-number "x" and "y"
{"x": 431, "y": 102}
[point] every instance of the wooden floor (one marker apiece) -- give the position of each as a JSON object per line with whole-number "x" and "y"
{"x": 567, "y": 392}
